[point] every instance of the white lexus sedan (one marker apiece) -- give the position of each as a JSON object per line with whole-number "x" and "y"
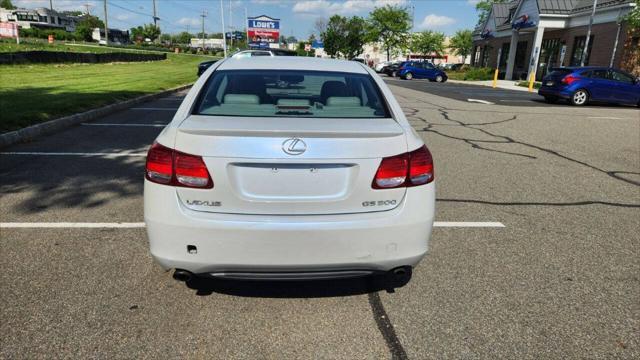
{"x": 284, "y": 168}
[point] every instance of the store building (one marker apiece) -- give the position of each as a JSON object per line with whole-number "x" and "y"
{"x": 42, "y": 18}
{"x": 525, "y": 36}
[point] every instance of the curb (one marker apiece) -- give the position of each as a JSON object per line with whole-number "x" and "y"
{"x": 463, "y": 82}
{"x": 31, "y": 132}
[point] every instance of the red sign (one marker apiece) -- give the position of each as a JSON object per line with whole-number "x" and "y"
{"x": 263, "y": 35}
{"x": 8, "y": 30}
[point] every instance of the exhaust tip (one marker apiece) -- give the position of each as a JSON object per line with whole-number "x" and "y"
{"x": 182, "y": 275}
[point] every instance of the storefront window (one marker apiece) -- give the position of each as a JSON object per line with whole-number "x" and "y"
{"x": 504, "y": 56}
{"x": 521, "y": 53}
{"x": 578, "y": 49}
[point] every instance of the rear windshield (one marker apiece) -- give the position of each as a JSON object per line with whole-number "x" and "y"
{"x": 560, "y": 72}
{"x": 282, "y": 93}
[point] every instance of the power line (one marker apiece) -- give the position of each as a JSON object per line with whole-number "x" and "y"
{"x": 129, "y": 10}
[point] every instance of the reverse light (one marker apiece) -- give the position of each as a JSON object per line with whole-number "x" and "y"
{"x": 409, "y": 169}
{"x": 170, "y": 167}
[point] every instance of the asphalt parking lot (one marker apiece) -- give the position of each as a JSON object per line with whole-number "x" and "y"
{"x": 483, "y": 94}
{"x": 558, "y": 279}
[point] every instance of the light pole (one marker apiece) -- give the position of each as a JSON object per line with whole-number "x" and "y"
{"x": 586, "y": 42}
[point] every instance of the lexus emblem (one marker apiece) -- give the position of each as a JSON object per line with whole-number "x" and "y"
{"x": 294, "y": 146}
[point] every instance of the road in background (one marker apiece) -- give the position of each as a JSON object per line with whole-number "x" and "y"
{"x": 560, "y": 279}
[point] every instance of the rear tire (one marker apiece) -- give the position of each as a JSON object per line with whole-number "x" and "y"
{"x": 580, "y": 97}
{"x": 408, "y": 76}
{"x": 551, "y": 99}
{"x": 439, "y": 79}
{"x": 394, "y": 74}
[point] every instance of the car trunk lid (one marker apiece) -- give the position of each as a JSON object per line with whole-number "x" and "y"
{"x": 290, "y": 166}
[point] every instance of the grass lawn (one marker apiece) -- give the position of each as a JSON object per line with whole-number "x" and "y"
{"x": 30, "y": 94}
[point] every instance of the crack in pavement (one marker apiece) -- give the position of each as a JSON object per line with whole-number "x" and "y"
{"x": 502, "y": 139}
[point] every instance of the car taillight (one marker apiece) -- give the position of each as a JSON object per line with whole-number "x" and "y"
{"x": 404, "y": 170}
{"x": 401, "y": 68}
{"x": 170, "y": 167}
{"x": 569, "y": 79}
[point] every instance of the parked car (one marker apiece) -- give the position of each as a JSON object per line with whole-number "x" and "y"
{"x": 581, "y": 85}
{"x": 421, "y": 70}
{"x": 265, "y": 52}
{"x": 392, "y": 69}
{"x": 379, "y": 66}
{"x": 452, "y": 67}
{"x": 287, "y": 168}
{"x": 203, "y": 66}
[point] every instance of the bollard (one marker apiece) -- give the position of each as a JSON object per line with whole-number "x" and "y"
{"x": 495, "y": 79}
{"x": 531, "y": 80}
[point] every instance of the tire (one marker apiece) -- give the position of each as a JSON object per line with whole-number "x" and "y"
{"x": 408, "y": 76}
{"x": 439, "y": 79}
{"x": 580, "y": 97}
{"x": 394, "y": 74}
{"x": 551, "y": 99}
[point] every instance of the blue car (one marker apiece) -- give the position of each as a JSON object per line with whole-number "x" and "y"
{"x": 421, "y": 70}
{"x": 581, "y": 85}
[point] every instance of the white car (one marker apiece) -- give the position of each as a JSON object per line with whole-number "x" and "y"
{"x": 378, "y": 67}
{"x": 289, "y": 168}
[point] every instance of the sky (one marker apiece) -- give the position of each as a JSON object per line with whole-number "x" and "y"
{"x": 296, "y": 17}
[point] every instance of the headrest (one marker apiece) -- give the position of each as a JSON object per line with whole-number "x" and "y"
{"x": 343, "y": 101}
{"x": 241, "y": 99}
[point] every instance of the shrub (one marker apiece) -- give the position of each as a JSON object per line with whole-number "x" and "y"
{"x": 479, "y": 74}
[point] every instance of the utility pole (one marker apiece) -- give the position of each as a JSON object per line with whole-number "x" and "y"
{"x": 86, "y": 6}
{"x": 51, "y": 5}
{"x": 224, "y": 38}
{"x": 586, "y": 42}
{"x": 204, "y": 15}
{"x": 246, "y": 27}
{"x": 155, "y": 17}
{"x": 106, "y": 24}
{"x": 230, "y": 26}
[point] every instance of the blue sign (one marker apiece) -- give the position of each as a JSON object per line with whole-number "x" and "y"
{"x": 317, "y": 44}
{"x": 263, "y": 23}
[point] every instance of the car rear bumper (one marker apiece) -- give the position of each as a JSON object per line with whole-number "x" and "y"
{"x": 560, "y": 93}
{"x": 332, "y": 245}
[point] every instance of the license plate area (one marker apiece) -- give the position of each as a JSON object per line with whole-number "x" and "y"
{"x": 549, "y": 83}
{"x": 292, "y": 182}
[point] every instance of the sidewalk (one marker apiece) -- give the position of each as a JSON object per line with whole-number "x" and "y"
{"x": 502, "y": 84}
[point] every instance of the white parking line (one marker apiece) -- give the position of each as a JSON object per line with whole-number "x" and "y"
{"x": 155, "y": 109}
{"x": 604, "y": 117}
{"x": 126, "y": 225}
{"x": 72, "y": 225}
{"x": 468, "y": 224}
{"x": 38, "y": 153}
{"x": 480, "y": 101}
{"x": 132, "y": 125}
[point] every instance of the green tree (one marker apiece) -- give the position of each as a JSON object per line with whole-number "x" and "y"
{"x": 165, "y": 38}
{"x": 462, "y": 42}
{"x": 137, "y": 34}
{"x": 428, "y": 42}
{"x": 344, "y": 36}
{"x": 390, "y": 25}
{"x": 334, "y": 35}
{"x": 291, "y": 40}
{"x": 6, "y": 4}
{"x": 483, "y": 7}
{"x": 84, "y": 28}
{"x": 151, "y": 32}
{"x": 633, "y": 18}
{"x": 183, "y": 38}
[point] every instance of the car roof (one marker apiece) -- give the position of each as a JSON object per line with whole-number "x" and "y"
{"x": 291, "y": 63}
